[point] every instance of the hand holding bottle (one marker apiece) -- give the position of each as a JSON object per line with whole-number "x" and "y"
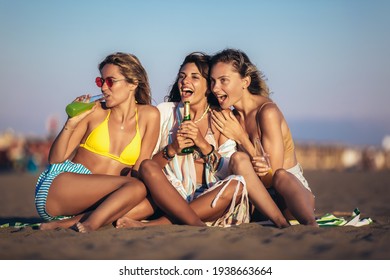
{"x": 187, "y": 117}
{"x": 82, "y": 104}
{"x": 261, "y": 164}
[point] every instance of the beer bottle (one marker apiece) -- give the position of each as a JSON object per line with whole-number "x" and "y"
{"x": 187, "y": 117}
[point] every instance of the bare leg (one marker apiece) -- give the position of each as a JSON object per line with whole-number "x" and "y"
{"x": 165, "y": 195}
{"x": 298, "y": 200}
{"x": 240, "y": 164}
{"x": 201, "y": 206}
{"x": 115, "y": 206}
{"x": 139, "y": 212}
{"x": 66, "y": 223}
{"x": 142, "y": 211}
{"x": 73, "y": 194}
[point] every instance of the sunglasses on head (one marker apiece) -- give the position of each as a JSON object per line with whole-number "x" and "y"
{"x": 109, "y": 81}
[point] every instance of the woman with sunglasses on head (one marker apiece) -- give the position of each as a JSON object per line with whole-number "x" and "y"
{"x": 257, "y": 125}
{"x": 94, "y": 148}
{"x": 194, "y": 188}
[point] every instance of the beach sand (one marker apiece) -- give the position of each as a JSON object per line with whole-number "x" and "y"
{"x": 336, "y": 192}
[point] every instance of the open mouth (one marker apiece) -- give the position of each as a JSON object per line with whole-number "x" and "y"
{"x": 186, "y": 92}
{"x": 221, "y": 98}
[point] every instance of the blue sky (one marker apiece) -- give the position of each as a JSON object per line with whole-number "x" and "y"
{"x": 327, "y": 62}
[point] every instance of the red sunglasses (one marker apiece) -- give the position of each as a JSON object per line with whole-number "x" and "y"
{"x": 109, "y": 81}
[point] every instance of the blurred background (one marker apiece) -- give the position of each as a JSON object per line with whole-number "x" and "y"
{"x": 327, "y": 65}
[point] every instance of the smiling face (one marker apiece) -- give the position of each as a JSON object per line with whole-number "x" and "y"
{"x": 226, "y": 84}
{"x": 192, "y": 85}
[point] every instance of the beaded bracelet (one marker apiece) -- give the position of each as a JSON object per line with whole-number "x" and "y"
{"x": 166, "y": 155}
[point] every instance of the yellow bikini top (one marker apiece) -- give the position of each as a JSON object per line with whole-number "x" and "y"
{"x": 98, "y": 142}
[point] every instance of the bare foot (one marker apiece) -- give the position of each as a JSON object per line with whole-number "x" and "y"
{"x": 57, "y": 224}
{"x": 49, "y": 226}
{"x": 83, "y": 228}
{"x": 125, "y": 222}
{"x": 65, "y": 223}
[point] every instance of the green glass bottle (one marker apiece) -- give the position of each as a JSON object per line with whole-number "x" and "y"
{"x": 75, "y": 108}
{"x": 187, "y": 117}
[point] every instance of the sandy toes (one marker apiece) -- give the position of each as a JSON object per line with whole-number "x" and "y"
{"x": 82, "y": 228}
{"x": 125, "y": 222}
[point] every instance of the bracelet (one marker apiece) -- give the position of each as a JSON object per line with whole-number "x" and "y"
{"x": 166, "y": 155}
{"x": 212, "y": 150}
{"x": 197, "y": 154}
{"x": 212, "y": 159}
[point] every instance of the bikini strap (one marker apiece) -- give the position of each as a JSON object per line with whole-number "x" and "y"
{"x": 136, "y": 118}
{"x": 257, "y": 117}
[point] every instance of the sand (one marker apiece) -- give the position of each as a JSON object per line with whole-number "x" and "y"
{"x": 336, "y": 192}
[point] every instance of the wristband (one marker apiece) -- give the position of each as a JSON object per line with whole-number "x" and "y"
{"x": 212, "y": 150}
{"x": 166, "y": 155}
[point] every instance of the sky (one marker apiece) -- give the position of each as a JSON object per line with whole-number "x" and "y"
{"x": 327, "y": 61}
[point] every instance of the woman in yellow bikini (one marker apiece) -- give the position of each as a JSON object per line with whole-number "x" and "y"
{"x": 257, "y": 125}
{"x": 94, "y": 148}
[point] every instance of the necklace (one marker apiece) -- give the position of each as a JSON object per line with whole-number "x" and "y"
{"x": 204, "y": 114}
{"x": 122, "y": 127}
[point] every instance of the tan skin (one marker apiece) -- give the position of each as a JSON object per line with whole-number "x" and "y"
{"x": 112, "y": 195}
{"x": 190, "y": 133}
{"x": 232, "y": 90}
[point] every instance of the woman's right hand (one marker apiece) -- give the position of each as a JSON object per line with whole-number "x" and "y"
{"x": 82, "y": 98}
{"x": 74, "y": 121}
{"x": 181, "y": 142}
{"x": 260, "y": 165}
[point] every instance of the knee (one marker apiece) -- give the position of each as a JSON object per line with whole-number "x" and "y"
{"x": 279, "y": 176}
{"x": 148, "y": 168}
{"x": 281, "y": 180}
{"x": 231, "y": 189}
{"x": 237, "y": 159}
{"x": 136, "y": 188}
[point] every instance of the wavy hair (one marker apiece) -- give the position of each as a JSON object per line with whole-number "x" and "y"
{"x": 242, "y": 65}
{"x": 131, "y": 68}
{"x": 202, "y": 62}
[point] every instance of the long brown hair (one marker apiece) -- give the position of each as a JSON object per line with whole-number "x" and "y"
{"x": 132, "y": 69}
{"x": 202, "y": 62}
{"x": 242, "y": 64}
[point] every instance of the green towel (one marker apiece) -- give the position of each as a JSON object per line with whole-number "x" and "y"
{"x": 330, "y": 220}
{"x": 20, "y": 225}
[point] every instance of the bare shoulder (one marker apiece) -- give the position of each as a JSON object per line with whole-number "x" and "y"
{"x": 270, "y": 113}
{"x": 149, "y": 111}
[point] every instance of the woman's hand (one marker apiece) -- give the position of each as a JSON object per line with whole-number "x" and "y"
{"x": 227, "y": 124}
{"x": 74, "y": 121}
{"x": 261, "y": 165}
{"x": 190, "y": 131}
{"x": 179, "y": 143}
